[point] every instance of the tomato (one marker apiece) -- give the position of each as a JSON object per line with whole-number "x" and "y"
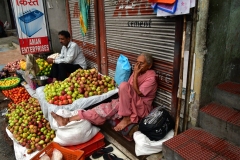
{"x": 17, "y": 94}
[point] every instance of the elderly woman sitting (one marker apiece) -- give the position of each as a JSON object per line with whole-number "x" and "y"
{"x": 134, "y": 102}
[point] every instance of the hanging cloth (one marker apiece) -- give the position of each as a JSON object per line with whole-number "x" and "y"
{"x": 162, "y": 1}
{"x": 83, "y": 16}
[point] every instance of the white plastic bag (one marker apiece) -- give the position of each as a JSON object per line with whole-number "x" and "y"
{"x": 45, "y": 157}
{"x": 144, "y": 146}
{"x": 56, "y": 155}
{"x": 75, "y": 132}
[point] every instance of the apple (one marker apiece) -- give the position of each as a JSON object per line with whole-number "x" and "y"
{"x": 28, "y": 146}
{"x": 100, "y": 82}
{"x": 69, "y": 92}
{"x": 99, "y": 77}
{"x": 65, "y": 102}
{"x": 29, "y": 151}
{"x": 81, "y": 91}
{"x": 70, "y": 101}
{"x": 69, "y": 97}
{"x": 93, "y": 88}
{"x": 71, "y": 88}
{"x": 74, "y": 95}
{"x": 90, "y": 93}
{"x": 86, "y": 94}
{"x": 39, "y": 147}
{"x": 50, "y": 101}
{"x": 55, "y": 98}
{"x": 55, "y": 102}
{"x": 89, "y": 89}
{"x": 105, "y": 90}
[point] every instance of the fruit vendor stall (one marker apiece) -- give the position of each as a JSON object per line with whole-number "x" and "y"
{"x": 29, "y": 122}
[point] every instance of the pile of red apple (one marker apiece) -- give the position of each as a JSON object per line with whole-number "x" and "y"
{"x": 80, "y": 84}
{"x": 28, "y": 126}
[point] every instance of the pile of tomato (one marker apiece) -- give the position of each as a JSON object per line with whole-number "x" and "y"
{"x": 17, "y": 94}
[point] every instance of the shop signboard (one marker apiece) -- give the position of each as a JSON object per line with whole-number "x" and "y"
{"x": 31, "y": 26}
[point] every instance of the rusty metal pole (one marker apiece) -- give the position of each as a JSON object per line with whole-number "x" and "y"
{"x": 69, "y": 18}
{"x": 97, "y": 35}
{"x": 103, "y": 40}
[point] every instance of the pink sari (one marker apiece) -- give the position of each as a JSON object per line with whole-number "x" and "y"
{"x": 128, "y": 103}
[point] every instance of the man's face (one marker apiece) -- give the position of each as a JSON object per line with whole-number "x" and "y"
{"x": 143, "y": 63}
{"x": 63, "y": 40}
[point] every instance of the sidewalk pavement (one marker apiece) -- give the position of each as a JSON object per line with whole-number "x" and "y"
{"x": 9, "y": 50}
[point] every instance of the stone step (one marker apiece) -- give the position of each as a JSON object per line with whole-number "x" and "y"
{"x": 228, "y": 94}
{"x": 195, "y": 144}
{"x": 221, "y": 121}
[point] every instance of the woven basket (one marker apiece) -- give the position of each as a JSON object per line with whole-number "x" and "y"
{"x": 11, "y": 86}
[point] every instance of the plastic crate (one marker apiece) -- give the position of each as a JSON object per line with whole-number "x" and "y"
{"x": 67, "y": 153}
{"x": 92, "y": 145}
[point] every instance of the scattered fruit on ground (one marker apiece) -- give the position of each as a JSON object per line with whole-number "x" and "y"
{"x": 28, "y": 125}
{"x": 44, "y": 67}
{"x": 80, "y": 84}
{"x": 17, "y": 94}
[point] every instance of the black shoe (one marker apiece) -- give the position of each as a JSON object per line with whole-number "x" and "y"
{"x": 111, "y": 156}
{"x": 101, "y": 152}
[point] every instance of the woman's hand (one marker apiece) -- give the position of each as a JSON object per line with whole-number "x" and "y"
{"x": 136, "y": 72}
{"x": 137, "y": 69}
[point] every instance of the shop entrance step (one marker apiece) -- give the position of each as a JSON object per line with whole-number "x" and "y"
{"x": 228, "y": 94}
{"x": 221, "y": 121}
{"x": 198, "y": 144}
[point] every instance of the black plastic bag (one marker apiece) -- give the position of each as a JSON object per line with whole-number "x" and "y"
{"x": 157, "y": 124}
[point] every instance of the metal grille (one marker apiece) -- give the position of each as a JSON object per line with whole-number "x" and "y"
{"x": 131, "y": 28}
{"x": 87, "y": 42}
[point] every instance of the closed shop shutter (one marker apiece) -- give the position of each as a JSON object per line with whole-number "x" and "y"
{"x": 87, "y": 42}
{"x": 131, "y": 28}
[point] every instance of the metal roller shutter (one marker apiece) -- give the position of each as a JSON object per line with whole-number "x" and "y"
{"x": 87, "y": 42}
{"x": 132, "y": 28}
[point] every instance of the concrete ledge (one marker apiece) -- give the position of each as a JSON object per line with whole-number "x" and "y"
{"x": 220, "y": 128}
{"x": 227, "y": 99}
{"x": 168, "y": 153}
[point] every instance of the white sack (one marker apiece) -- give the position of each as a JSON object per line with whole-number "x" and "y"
{"x": 81, "y": 103}
{"x": 75, "y": 132}
{"x": 144, "y": 146}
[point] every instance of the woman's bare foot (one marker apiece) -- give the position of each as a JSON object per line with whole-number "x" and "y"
{"x": 124, "y": 123}
{"x": 60, "y": 120}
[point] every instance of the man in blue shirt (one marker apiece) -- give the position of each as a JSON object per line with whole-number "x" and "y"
{"x": 70, "y": 59}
